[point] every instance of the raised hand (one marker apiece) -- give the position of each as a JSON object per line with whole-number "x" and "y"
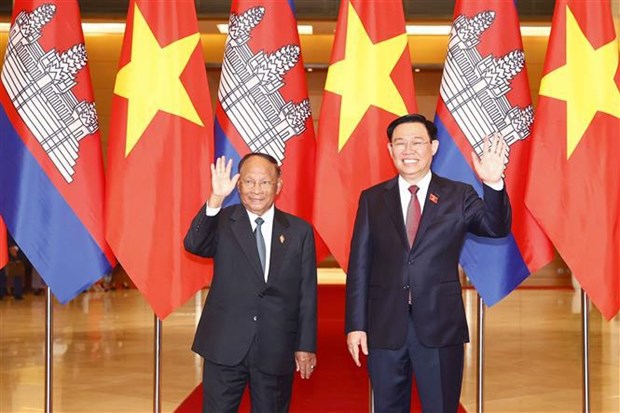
{"x": 490, "y": 166}
{"x": 221, "y": 182}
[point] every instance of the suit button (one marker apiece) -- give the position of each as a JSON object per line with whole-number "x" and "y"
{"x": 254, "y": 318}
{"x": 410, "y": 262}
{"x": 406, "y": 287}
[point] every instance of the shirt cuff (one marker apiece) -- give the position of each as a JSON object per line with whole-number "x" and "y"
{"x": 497, "y": 186}
{"x": 211, "y": 212}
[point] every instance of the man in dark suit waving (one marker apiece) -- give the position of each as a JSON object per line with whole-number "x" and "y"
{"x": 404, "y": 307}
{"x": 259, "y": 323}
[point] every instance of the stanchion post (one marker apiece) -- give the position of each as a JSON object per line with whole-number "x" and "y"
{"x": 49, "y": 307}
{"x": 585, "y": 333}
{"x": 480, "y": 358}
{"x": 371, "y": 398}
{"x": 157, "y": 367}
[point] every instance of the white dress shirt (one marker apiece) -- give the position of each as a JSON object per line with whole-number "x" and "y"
{"x": 405, "y": 195}
{"x": 266, "y": 230}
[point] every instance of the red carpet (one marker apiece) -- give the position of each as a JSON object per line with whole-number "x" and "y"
{"x": 337, "y": 385}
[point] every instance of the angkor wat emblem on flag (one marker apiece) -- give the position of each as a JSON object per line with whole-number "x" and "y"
{"x": 249, "y": 89}
{"x": 39, "y": 84}
{"x": 474, "y": 88}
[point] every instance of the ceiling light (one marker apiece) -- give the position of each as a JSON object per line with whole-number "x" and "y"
{"x": 429, "y": 30}
{"x": 443, "y": 30}
{"x": 88, "y": 28}
{"x": 301, "y": 28}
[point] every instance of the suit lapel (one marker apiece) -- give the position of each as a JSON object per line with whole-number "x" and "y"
{"x": 391, "y": 198}
{"x": 280, "y": 240}
{"x": 430, "y": 209}
{"x": 242, "y": 230}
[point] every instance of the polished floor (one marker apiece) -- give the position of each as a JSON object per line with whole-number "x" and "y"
{"x": 103, "y": 354}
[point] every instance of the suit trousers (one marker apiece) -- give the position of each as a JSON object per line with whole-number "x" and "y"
{"x": 438, "y": 372}
{"x": 223, "y": 386}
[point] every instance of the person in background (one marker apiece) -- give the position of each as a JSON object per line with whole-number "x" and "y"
{"x": 17, "y": 288}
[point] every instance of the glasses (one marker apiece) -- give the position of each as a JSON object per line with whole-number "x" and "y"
{"x": 402, "y": 145}
{"x": 250, "y": 184}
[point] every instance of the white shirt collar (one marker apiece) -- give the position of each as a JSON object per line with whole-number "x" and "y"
{"x": 267, "y": 216}
{"x": 405, "y": 195}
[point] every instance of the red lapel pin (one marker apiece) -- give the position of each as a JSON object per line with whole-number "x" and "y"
{"x": 433, "y": 198}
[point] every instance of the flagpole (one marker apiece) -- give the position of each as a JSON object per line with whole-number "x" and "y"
{"x": 585, "y": 332}
{"x": 480, "y": 358}
{"x": 371, "y": 398}
{"x": 48, "y": 349}
{"x": 157, "y": 367}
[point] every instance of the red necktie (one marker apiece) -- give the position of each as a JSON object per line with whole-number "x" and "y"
{"x": 414, "y": 212}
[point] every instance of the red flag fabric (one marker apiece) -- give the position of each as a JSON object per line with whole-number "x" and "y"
{"x": 369, "y": 83}
{"x": 263, "y": 103}
{"x": 574, "y": 180}
{"x": 51, "y": 168}
{"x": 160, "y": 148}
{"x": 4, "y": 245}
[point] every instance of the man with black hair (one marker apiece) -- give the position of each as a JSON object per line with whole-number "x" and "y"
{"x": 404, "y": 307}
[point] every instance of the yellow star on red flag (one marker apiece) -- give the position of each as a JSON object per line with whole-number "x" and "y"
{"x": 363, "y": 77}
{"x": 151, "y": 80}
{"x": 586, "y": 82}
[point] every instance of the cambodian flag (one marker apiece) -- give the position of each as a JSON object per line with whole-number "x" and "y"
{"x": 51, "y": 169}
{"x": 484, "y": 89}
{"x": 263, "y": 103}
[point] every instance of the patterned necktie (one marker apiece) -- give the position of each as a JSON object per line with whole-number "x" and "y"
{"x": 414, "y": 212}
{"x": 260, "y": 242}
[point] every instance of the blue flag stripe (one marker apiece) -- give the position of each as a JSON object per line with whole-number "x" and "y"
{"x": 223, "y": 147}
{"x": 43, "y": 224}
{"x": 495, "y": 266}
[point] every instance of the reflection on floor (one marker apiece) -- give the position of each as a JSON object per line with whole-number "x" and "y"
{"x": 103, "y": 354}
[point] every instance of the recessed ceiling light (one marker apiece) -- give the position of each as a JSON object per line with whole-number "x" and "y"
{"x": 442, "y": 30}
{"x": 301, "y": 28}
{"x": 89, "y": 28}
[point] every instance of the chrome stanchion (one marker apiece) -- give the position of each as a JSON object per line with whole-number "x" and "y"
{"x": 157, "y": 367}
{"x": 585, "y": 333}
{"x": 49, "y": 312}
{"x": 480, "y": 358}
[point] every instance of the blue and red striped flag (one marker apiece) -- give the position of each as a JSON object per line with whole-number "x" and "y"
{"x": 263, "y": 103}
{"x": 484, "y": 89}
{"x": 51, "y": 168}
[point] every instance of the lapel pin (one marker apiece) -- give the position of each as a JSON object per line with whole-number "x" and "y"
{"x": 433, "y": 198}
{"x": 282, "y": 239}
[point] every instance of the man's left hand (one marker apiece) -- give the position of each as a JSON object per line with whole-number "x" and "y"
{"x": 306, "y": 363}
{"x": 490, "y": 166}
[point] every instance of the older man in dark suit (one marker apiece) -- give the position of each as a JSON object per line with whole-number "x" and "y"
{"x": 404, "y": 307}
{"x": 259, "y": 323}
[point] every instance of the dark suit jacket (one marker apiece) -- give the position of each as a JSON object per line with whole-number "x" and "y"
{"x": 383, "y": 269}
{"x": 240, "y": 307}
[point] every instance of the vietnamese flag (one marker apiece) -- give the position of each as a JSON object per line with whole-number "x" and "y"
{"x": 159, "y": 151}
{"x": 574, "y": 180}
{"x": 369, "y": 83}
{"x": 4, "y": 246}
